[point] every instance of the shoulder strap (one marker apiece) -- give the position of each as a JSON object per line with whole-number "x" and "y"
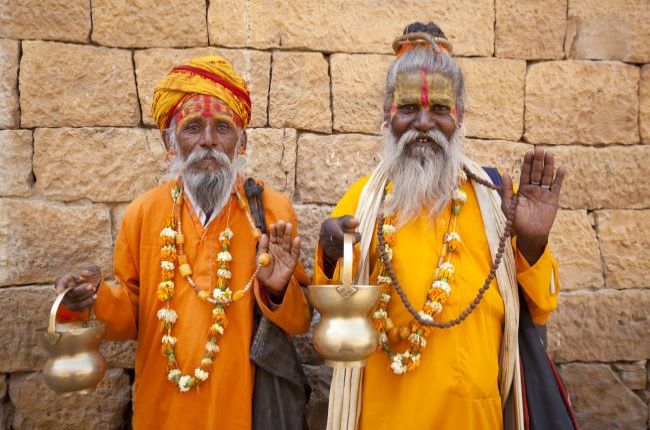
{"x": 494, "y": 174}
{"x": 254, "y": 192}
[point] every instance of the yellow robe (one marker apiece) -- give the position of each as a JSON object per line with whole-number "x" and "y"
{"x": 455, "y": 387}
{"x": 224, "y": 401}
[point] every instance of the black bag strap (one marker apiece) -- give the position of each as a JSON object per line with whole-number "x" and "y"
{"x": 254, "y": 192}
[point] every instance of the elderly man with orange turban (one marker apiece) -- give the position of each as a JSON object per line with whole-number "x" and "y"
{"x": 191, "y": 264}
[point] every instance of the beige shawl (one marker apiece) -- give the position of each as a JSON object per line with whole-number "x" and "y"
{"x": 345, "y": 392}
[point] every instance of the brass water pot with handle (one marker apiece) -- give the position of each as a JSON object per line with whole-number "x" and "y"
{"x": 344, "y": 337}
{"x": 74, "y": 363}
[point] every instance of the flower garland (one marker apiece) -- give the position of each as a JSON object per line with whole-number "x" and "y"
{"x": 437, "y": 295}
{"x": 171, "y": 251}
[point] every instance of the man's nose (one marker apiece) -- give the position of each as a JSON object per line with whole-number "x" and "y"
{"x": 424, "y": 120}
{"x": 209, "y": 136}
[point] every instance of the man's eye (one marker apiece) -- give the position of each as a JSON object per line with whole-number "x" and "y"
{"x": 408, "y": 108}
{"x": 192, "y": 127}
{"x": 440, "y": 108}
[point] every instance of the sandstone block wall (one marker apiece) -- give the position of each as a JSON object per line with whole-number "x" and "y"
{"x": 78, "y": 144}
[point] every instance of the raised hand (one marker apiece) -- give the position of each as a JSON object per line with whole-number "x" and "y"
{"x": 84, "y": 284}
{"x": 539, "y": 196}
{"x": 284, "y": 251}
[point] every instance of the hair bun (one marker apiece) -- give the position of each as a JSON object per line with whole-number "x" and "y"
{"x": 420, "y": 39}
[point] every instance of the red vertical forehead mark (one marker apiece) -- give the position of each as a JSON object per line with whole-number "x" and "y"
{"x": 424, "y": 90}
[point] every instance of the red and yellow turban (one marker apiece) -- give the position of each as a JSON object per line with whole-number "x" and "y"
{"x": 212, "y": 76}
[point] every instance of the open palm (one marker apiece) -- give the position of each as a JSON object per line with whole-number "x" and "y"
{"x": 284, "y": 251}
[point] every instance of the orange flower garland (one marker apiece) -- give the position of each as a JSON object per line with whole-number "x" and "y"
{"x": 437, "y": 294}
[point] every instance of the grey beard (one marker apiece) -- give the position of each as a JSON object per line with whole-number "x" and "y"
{"x": 423, "y": 177}
{"x": 210, "y": 189}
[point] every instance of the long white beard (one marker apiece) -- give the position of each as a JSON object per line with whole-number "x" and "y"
{"x": 210, "y": 188}
{"x": 423, "y": 177}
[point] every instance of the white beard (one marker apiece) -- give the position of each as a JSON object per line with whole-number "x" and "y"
{"x": 210, "y": 189}
{"x": 424, "y": 177}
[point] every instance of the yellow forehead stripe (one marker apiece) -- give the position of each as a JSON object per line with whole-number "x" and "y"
{"x": 410, "y": 89}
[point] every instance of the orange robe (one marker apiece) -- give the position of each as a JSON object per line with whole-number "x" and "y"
{"x": 224, "y": 401}
{"x": 455, "y": 386}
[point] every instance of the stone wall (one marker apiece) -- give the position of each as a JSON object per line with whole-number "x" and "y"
{"x": 78, "y": 143}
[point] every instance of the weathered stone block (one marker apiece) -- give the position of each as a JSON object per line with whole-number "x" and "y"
{"x": 600, "y": 400}
{"x": 505, "y": 156}
{"x": 606, "y": 325}
{"x": 624, "y": 242}
{"x": 9, "y": 114}
{"x": 309, "y": 25}
{"x": 575, "y": 246}
{"x": 495, "y": 97}
{"x": 151, "y": 65}
{"x": 25, "y": 310}
{"x": 310, "y": 218}
{"x": 271, "y": 156}
{"x": 66, "y": 20}
{"x": 95, "y": 163}
{"x": 644, "y": 104}
{"x": 16, "y": 159}
{"x": 41, "y": 240}
{"x": 75, "y": 85}
{"x": 39, "y": 407}
{"x": 300, "y": 92}
{"x": 608, "y": 177}
{"x": 609, "y": 30}
{"x": 149, "y": 23}
{"x": 582, "y": 102}
{"x": 3, "y": 386}
{"x": 530, "y": 29}
{"x": 633, "y": 375}
{"x": 358, "y": 89}
{"x": 329, "y": 165}
{"x": 117, "y": 212}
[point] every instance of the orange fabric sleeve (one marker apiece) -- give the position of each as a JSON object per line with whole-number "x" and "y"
{"x": 540, "y": 284}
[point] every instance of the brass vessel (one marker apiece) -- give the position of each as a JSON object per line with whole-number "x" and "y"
{"x": 344, "y": 337}
{"x": 75, "y": 364}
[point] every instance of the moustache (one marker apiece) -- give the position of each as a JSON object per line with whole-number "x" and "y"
{"x": 428, "y": 138}
{"x": 204, "y": 154}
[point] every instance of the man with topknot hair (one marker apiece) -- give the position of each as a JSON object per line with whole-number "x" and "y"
{"x": 434, "y": 232}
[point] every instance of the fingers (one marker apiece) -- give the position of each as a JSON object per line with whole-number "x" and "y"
{"x": 295, "y": 249}
{"x": 537, "y": 168}
{"x": 549, "y": 170}
{"x": 64, "y": 282}
{"x": 263, "y": 243}
{"x": 557, "y": 183}
{"x": 526, "y": 167}
{"x": 349, "y": 223}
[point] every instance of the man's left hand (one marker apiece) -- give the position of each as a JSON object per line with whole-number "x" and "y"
{"x": 284, "y": 251}
{"x": 539, "y": 195}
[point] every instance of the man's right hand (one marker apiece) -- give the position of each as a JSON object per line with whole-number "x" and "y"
{"x": 84, "y": 284}
{"x": 331, "y": 239}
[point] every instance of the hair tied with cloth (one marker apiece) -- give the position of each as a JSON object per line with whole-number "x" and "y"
{"x": 418, "y": 35}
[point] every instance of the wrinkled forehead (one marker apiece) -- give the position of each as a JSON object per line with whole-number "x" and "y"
{"x": 204, "y": 106}
{"x": 416, "y": 87}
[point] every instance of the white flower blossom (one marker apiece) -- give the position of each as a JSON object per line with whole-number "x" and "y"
{"x": 168, "y": 339}
{"x": 436, "y": 306}
{"x": 389, "y": 253}
{"x": 167, "y": 265}
{"x": 212, "y": 347}
{"x": 397, "y": 366}
{"x": 441, "y": 284}
{"x": 380, "y": 314}
{"x": 168, "y": 232}
{"x": 224, "y": 257}
{"x": 389, "y": 229}
{"x": 218, "y": 327}
{"x": 384, "y": 298}
{"x": 383, "y": 338}
{"x": 418, "y": 340}
{"x": 425, "y": 316}
{"x": 222, "y": 295}
{"x": 201, "y": 374}
{"x": 459, "y": 195}
{"x": 185, "y": 383}
{"x": 384, "y": 279}
{"x": 168, "y": 248}
{"x": 227, "y": 234}
{"x": 447, "y": 267}
{"x": 224, "y": 273}
{"x": 452, "y": 235}
{"x": 173, "y": 374}
{"x": 167, "y": 315}
{"x": 207, "y": 361}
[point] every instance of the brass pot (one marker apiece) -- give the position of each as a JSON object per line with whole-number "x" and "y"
{"x": 75, "y": 364}
{"x": 344, "y": 337}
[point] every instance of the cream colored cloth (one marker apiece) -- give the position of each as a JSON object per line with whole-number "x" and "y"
{"x": 347, "y": 383}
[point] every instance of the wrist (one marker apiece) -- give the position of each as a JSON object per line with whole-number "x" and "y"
{"x": 531, "y": 248}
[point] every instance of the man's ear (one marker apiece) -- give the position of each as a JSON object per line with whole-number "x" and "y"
{"x": 244, "y": 141}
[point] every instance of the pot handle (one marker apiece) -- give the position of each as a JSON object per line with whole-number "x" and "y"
{"x": 51, "y": 328}
{"x": 348, "y": 259}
